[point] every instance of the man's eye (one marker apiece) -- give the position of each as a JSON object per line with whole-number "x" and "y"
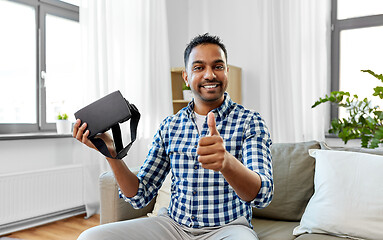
{"x": 220, "y": 67}
{"x": 197, "y": 68}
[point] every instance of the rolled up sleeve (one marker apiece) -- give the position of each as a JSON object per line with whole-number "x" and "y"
{"x": 257, "y": 157}
{"x": 152, "y": 173}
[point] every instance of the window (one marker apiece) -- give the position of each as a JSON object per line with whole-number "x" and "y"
{"x": 356, "y": 45}
{"x": 39, "y": 63}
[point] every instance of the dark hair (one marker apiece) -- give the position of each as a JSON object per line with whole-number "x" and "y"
{"x": 203, "y": 39}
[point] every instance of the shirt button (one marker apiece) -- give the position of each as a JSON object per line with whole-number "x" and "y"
{"x": 192, "y": 217}
{"x": 194, "y": 192}
{"x": 195, "y": 167}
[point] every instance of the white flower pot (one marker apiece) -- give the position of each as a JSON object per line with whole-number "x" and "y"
{"x": 63, "y": 127}
{"x": 188, "y": 96}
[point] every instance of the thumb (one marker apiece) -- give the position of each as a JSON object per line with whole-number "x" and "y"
{"x": 211, "y": 124}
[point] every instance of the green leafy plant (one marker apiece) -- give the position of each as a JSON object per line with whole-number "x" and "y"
{"x": 63, "y": 116}
{"x": 364, "y": 121}
{"x": 185, "y": 87}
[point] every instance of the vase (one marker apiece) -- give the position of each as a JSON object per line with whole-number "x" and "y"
{"x": 63, "y": 127}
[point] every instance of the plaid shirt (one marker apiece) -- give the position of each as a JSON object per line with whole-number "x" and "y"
{"x": 202, "y": 197}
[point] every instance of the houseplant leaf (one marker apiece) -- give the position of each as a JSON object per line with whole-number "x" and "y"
{"x": 364, "y": 121}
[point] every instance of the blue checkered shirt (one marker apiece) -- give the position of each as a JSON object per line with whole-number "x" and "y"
{"x": 202, "y": 197}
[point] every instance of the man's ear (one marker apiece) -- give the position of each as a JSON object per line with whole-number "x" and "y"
{"x": 185, "y": 77}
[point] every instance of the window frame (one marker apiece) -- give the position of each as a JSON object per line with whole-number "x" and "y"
{"x": 338, "y": 25}
{"x": 42, "y": 8}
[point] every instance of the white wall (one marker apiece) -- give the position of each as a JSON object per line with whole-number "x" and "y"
{"x": 177, "y": 12}
{"x": 34, "y": 154}
{"x": 37, "y": 154}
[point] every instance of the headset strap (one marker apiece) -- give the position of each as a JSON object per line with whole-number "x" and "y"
{"x": 116, "y": 131}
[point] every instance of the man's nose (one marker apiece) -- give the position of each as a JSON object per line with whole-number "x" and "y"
{"x": 209, "y": 74}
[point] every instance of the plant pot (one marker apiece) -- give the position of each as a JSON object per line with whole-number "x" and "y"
{"x": 63, "y": 127}
{"x": 187, "y": 94}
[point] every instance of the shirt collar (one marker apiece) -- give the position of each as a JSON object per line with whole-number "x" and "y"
{"x": 220, "y": 112}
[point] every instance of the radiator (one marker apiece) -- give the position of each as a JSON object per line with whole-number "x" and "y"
{"x": 32, "y": 198}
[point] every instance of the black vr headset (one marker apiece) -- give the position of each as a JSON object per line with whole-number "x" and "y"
{"x": 106, "y": 113}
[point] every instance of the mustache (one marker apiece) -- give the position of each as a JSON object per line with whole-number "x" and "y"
{"x": 213, "y": 81}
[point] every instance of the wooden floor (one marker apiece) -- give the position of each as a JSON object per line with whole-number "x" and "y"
{"x": 67, "y": 229}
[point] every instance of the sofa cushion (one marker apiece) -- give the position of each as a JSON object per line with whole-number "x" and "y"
{"x": 283, "y": 230}
{"x": 274, "y": 230}
{"x": 293, "y": 174}
{"x": 348, "y": 196}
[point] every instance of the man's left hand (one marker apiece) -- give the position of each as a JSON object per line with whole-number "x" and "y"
{"x": 211, "y": 149}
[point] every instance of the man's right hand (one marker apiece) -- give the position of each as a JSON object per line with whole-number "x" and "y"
{"x": 78, "y": 133}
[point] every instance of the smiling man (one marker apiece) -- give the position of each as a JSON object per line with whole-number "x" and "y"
{"x": 218, "y": 155}
{"x": 206, "y": 74}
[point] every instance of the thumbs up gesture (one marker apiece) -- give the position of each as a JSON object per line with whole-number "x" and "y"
{"x": 211, "y": 149}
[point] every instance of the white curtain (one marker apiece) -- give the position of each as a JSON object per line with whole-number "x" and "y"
{"x": 295, "y": 68}
{"x": 125, "y": 47}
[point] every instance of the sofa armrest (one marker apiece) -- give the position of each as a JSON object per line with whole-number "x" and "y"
{"x": 113, "y": 208}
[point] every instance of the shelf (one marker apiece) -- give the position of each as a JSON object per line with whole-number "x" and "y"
{"x": 181, "y": 101}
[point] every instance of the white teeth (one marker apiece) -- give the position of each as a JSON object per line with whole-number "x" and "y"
{"x": 210, "y": 86}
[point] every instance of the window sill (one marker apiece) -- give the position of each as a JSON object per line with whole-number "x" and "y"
{"x": 37, "y": 135}
{"x": 330, "y": 135}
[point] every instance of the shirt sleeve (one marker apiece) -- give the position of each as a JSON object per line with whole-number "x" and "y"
{"x": 257, "y": 157}
{"x": 152, "y": 173}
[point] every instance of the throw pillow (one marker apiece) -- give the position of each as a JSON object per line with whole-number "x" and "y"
{"x": 348, "y": 196}
{"x": 163, "y": 196}
{"x": 293, "y": 174}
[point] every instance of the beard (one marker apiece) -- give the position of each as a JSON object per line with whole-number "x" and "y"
{"x": 209, "y": 91}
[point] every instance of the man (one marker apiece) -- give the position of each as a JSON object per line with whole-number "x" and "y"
{"x": 218, "y": 155}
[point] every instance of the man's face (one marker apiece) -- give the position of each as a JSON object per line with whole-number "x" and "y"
{"x": 206, "y": 73}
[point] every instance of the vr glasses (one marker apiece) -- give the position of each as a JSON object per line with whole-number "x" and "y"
{"x": 106, "y": 113}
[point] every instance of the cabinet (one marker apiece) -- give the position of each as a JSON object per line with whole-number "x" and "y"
{"x": 234, "y": 87}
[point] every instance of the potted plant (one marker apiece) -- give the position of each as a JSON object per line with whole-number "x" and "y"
{"x": 187, "y": 93}
{"x": 63, "y": 125}
{"x": 365, "y": 121}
